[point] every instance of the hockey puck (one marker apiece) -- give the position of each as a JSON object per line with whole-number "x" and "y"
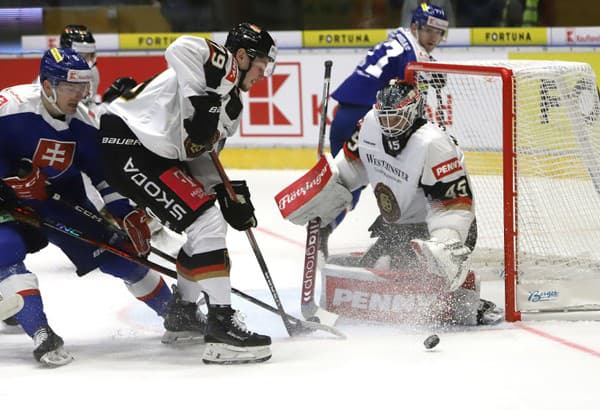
{"x": 431, "y": 342}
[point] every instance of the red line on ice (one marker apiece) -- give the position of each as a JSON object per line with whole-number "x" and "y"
{"x": 558, "y": 340}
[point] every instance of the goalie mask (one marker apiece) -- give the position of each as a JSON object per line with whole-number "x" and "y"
{"x": 399, "y": 105}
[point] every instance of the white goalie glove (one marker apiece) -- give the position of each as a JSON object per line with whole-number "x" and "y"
{"x": 318, "y": 193}
{"x": 446, "y": 256}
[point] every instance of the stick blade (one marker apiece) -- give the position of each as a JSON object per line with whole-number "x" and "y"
{"x": 314, "y": 313}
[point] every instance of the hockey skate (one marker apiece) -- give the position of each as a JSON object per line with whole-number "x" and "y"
{"x": 228, "y": 341}
{"x": 49, "y": 348}
{"x": 184, "y": 322}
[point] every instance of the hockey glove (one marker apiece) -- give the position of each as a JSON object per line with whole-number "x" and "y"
{"x": 119, "y": 87}
{"x": 202, "y": 126}
{"x": 11, "y": 208}
{"x": 449, "y": 259}
{"x": 238, "y": 213}
{"x": 135, "y": 224}
{"x": 30, "y": 183}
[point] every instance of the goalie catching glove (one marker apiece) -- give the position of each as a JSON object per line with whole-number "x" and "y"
{"x": 239, "y": 212}
{"x": 317, "y": 194}
{"x": 444, "y": 255}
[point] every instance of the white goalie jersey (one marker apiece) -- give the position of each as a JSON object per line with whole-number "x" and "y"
{"x": 155, "y": 109}
{"x": 426, "y": 182}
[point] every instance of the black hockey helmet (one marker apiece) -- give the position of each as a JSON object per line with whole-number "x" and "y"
{"x": 253, "y": 39}
{"x": 79, "y": 38}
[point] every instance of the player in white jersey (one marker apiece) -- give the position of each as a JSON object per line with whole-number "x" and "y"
{"x": 156, "y": 137}
{"x": 418, "y": 176}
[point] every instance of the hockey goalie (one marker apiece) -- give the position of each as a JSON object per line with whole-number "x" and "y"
{"x": 418, "y": 267}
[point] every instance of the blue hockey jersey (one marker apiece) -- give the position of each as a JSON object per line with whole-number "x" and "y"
{"x": 62, "y": 149}
{"x": 383, "y": 62}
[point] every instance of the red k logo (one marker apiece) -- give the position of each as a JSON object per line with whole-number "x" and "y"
{"x": 268, "y": 111}
{"x": 57, "y": 155}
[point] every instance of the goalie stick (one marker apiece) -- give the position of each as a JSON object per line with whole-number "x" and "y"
{"x": 10, "y": 305}
{"x": 297, "y": 326}
{"x": 310, "y": 310}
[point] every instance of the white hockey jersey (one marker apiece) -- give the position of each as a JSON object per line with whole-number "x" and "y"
{"x": 426, "y": 182}
{"x": 155, "y": 109}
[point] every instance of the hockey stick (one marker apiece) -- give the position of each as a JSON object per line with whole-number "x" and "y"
{"x": 310, "y": 310}
{"x": 253, "y": 244}
{"x": 10, "y": 305}
{"x": 298, "y": 326}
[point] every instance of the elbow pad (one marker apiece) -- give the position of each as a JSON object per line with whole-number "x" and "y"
{"x": 202, "y": 126}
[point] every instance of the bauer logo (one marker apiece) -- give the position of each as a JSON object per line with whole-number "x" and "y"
{"x": 543, "y": 295}
{"x": 273, "y": 106}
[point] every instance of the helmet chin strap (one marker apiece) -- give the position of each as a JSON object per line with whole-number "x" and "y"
{"x": 52, "y": 100}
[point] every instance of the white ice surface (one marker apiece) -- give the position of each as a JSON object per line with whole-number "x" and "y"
{"x": 121, "y": 364}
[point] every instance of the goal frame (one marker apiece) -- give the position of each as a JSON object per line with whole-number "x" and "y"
{"x": 509, "y": 164}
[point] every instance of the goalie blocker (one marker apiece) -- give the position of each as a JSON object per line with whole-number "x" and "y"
{"x": 317, "y": 194}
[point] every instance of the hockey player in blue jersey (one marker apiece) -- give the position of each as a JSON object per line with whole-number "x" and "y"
{"x": 385, "y": 61}
{"x": 47, "y": 139}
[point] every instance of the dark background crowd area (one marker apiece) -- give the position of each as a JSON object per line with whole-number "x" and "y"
{"x": 131, "y": 16}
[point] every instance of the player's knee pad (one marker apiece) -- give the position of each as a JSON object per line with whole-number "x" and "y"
{"x": 206, "y": 233}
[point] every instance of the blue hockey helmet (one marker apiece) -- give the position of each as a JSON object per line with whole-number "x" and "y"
{"x": 64, "y": 64}
{"x": 430, "y": 15}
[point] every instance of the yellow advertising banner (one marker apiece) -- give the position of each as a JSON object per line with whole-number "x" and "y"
{"x": 152, "y": 41}
{"x": 509, "y": 36}
{"x": 342, "y": 38}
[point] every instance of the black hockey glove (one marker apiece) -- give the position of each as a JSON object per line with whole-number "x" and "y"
{"x": 119, "y": 87}
{"x": 239, "y": 214}
{"x": 8, "y": 197}
{"x": 202, "y": 126}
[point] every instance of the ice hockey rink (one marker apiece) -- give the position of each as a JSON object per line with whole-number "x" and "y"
{"x": 121, "y": 364}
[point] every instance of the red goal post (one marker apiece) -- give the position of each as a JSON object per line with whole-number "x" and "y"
{"x": 531, "y": 135}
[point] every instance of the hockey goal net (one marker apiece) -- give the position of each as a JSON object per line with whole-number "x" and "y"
{"x": 530, "y": 131}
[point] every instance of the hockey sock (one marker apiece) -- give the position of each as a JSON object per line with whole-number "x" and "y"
{"x": 32, "y": 316}
{"x": 159, "y": 299}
